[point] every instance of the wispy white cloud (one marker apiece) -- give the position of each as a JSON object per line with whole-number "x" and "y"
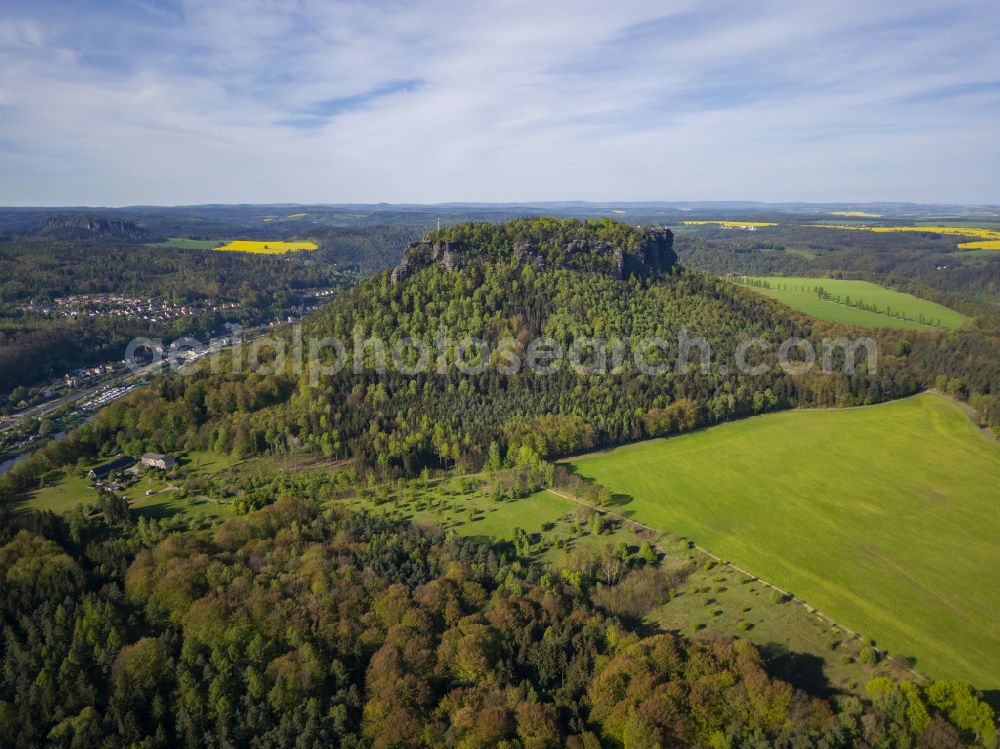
{"x": 256, "y": 101}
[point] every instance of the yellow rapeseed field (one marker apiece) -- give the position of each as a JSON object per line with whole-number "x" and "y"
{"x": 858, "y": 214}
{"x": 266, "y": 248}
{"x": 961, "y": 231}
{"x": 988, "y": 244}
{"x": 732, "y": 223}
{"x": 989, "y": 238}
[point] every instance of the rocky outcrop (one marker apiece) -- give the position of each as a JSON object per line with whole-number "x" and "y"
{"x": 654, "y": 254}
{"x": 406, "y": 268}
{"x": 648, "y": 251}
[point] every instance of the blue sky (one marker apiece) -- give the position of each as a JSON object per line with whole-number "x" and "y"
{"x": 118, "y": 102}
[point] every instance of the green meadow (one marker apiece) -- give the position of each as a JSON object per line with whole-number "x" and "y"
{"x": 182, "y": 243}
{"x": 884, "y": 517}
{"x": 468, "y": 512}
{"x": 907, "y": 312}
{"x": 71, "y": 487}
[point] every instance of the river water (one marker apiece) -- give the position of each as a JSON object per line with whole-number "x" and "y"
{"x": 11, "y": 462}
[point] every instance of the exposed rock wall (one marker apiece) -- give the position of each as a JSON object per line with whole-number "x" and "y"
{"x": 652, "y": 252}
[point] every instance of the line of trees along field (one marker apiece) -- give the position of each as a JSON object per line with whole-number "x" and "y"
{"x": 298, "y": 626}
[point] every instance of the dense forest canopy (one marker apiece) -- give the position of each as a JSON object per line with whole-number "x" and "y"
{"x": 299, "y": 626}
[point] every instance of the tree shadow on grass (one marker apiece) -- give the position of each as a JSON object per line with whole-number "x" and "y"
{"x": 802, "y": 670}
{"x": 620, "y": 500}
{"x": 641, "y": 626}
{"x": 17, "y": 505}
{"x": 159, "y": 511}
{"x": 992, "y": 698}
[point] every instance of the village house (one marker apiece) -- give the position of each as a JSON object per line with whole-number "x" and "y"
{"x": 158, "y": 461}
{"x": 101, "y": 472}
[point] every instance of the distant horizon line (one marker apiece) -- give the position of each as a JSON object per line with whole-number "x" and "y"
{"x": 514, "y": 203}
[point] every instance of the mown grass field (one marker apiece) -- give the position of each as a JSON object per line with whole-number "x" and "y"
{"x": 800, "y": 294}
{"x": 63, "y": 495}
{"x": 884, "y": 517}
{"x": 266, "y": 248}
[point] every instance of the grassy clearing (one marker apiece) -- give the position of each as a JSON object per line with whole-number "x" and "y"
{"x": 801, "y": 294}
{"x": 206, "y": 461}
{"x": 62, "y": 495}
{"x": 266, "y": 248}
{"x": 469, "y": 512}
{"x": 806, "y": 252}
{"x": 71, "y": 489}
{"x": 803, "y": 648}
{"x": 169, "y": 501}
{"x": 180, "y": 243}
{"x": 884, "y": 517}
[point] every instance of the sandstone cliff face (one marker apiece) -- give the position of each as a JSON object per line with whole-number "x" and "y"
{"x": 651, "y": 253}
{"x": 423, "y": 253}
{"x": 654, "y": 254}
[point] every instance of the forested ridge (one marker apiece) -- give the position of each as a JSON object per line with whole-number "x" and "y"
{"x": 397, "y": 423}
{"x": 299, "y": 626}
